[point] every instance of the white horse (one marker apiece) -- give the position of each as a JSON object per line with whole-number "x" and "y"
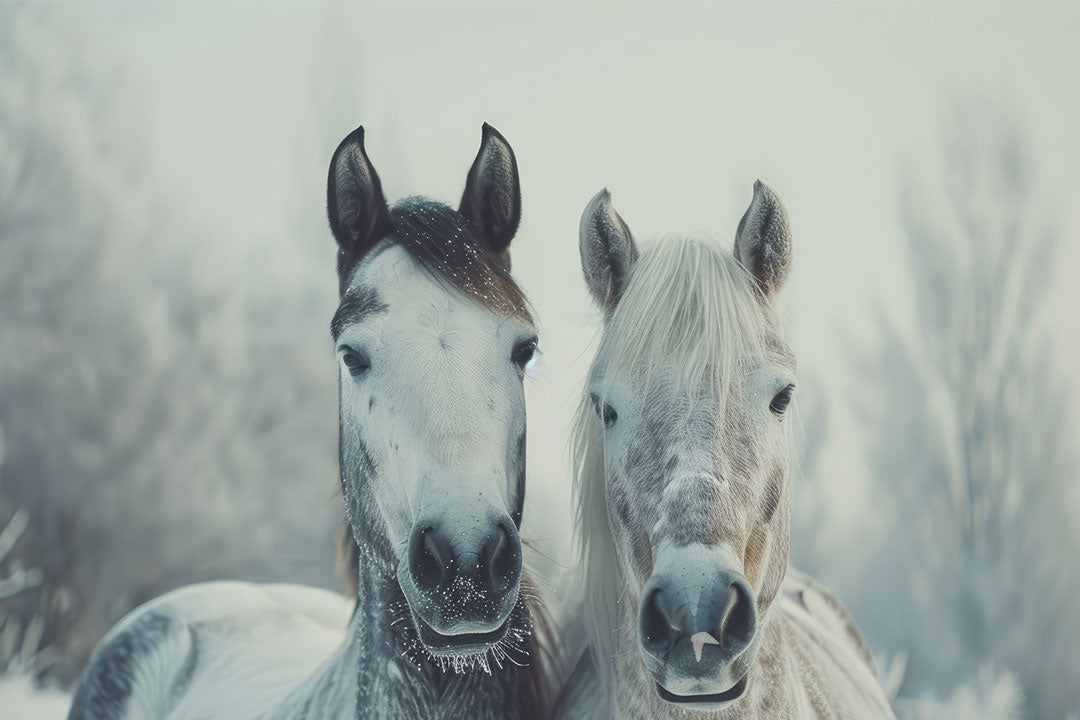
{"x": 433, "y": 339}
{"x": 682, "y": 491}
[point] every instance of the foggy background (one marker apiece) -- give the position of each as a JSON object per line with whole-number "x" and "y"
{"x": 167, "y": 386}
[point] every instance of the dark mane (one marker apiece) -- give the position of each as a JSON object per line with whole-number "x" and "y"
{"x": 446, "y": 244}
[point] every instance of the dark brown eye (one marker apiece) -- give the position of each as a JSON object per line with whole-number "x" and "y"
{"x": 356, "y": 362}
{"x": 524, "y": 351}
{"x": 605, "y": 412}
{"x": 781, "y": 401}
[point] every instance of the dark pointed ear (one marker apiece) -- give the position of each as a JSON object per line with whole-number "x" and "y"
{"x": 359, "y": 216}
{"x": 492, "y": 197}
{"x": 763, "y": 241}
{"x": 607, "y": 250}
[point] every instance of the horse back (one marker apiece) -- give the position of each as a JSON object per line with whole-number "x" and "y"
{"x": 178, "y": 656}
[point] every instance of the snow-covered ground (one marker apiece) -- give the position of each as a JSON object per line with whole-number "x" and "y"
{"x": 19, "y": 700}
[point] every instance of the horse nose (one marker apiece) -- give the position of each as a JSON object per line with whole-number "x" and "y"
{"x": 725, "y": 617}
{"x": 487, "y": 561}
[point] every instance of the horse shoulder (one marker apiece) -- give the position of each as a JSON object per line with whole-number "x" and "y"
{"x": 837, "y": 668}
{"x": 815, "y": 599}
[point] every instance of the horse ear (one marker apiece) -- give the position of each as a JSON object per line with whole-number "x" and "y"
{"x": 763, "y": 241}
{"x": 607, "y": 250}
{"x": 492, "y": 197}
{"x": 359, "y": 215}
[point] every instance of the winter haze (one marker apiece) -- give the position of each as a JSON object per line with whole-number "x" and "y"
{"x": 167, "y": 386}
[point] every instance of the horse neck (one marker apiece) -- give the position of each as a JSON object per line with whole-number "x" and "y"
{"x": 375, "y": 675}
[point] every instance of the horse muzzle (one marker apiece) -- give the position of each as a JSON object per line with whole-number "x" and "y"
{"x": 697, "y": 626}
{"x": 462, "y": 582}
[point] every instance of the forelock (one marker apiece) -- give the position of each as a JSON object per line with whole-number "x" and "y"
{"x": 689, "y": 304}
{"x": 447, "y": 246}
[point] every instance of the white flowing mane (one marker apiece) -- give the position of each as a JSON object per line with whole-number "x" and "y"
{"x": 688, "y": 303}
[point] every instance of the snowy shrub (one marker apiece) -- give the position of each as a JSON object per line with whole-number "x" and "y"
{"x": 989, "y": 696}
{"x": 166, "y": 395}
{"x": 972, "y": 486}
{"x": 21, "y": 700}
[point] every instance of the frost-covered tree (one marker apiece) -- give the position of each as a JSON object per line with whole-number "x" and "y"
{"x": 166, "y": 396}
{"x": 973, "y": 452}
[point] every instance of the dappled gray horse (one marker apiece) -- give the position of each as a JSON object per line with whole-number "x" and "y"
{"x": 433, "y": 339}
{"x": 682, "y": 491}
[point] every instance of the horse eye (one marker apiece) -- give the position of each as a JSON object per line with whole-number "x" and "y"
{"x": 524, "y": 351}
{"x": 356, "y": 362}
{"x": 781, "y": 401}
{"x": 605, "y": 412}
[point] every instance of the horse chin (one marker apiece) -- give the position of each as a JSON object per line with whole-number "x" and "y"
{"x": 710, "y": 701}
{"x": 463, "y": 644}
{"x": 459, "y": 645}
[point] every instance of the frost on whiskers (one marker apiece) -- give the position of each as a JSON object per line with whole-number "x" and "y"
{"x": 510, "y": 649}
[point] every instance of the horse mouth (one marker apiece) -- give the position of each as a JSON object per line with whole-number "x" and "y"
{"x": 460, "y": 644}
{"x": 704, "y": 702}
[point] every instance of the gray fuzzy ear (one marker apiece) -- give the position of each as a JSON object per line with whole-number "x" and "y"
{"x": 492, "y": 197}
{"x": 358, "y": 213}
{"x": 607, "y": 250}
{"x": 763, "y": 241}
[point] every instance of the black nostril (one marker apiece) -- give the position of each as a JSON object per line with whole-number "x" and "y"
{"x": 502, "y": 558}
{"x": 740, "y": 617}
{"x": 492, "y": 561}
{"x": 672, "y": 627}
{"x": 429, "y": 555}
{"x": 657, "y": 629}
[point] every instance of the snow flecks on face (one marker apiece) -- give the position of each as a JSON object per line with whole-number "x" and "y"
{"x": 446, "y": 244}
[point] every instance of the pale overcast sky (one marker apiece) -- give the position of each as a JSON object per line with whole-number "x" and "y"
{"x": 677, "y": 109}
